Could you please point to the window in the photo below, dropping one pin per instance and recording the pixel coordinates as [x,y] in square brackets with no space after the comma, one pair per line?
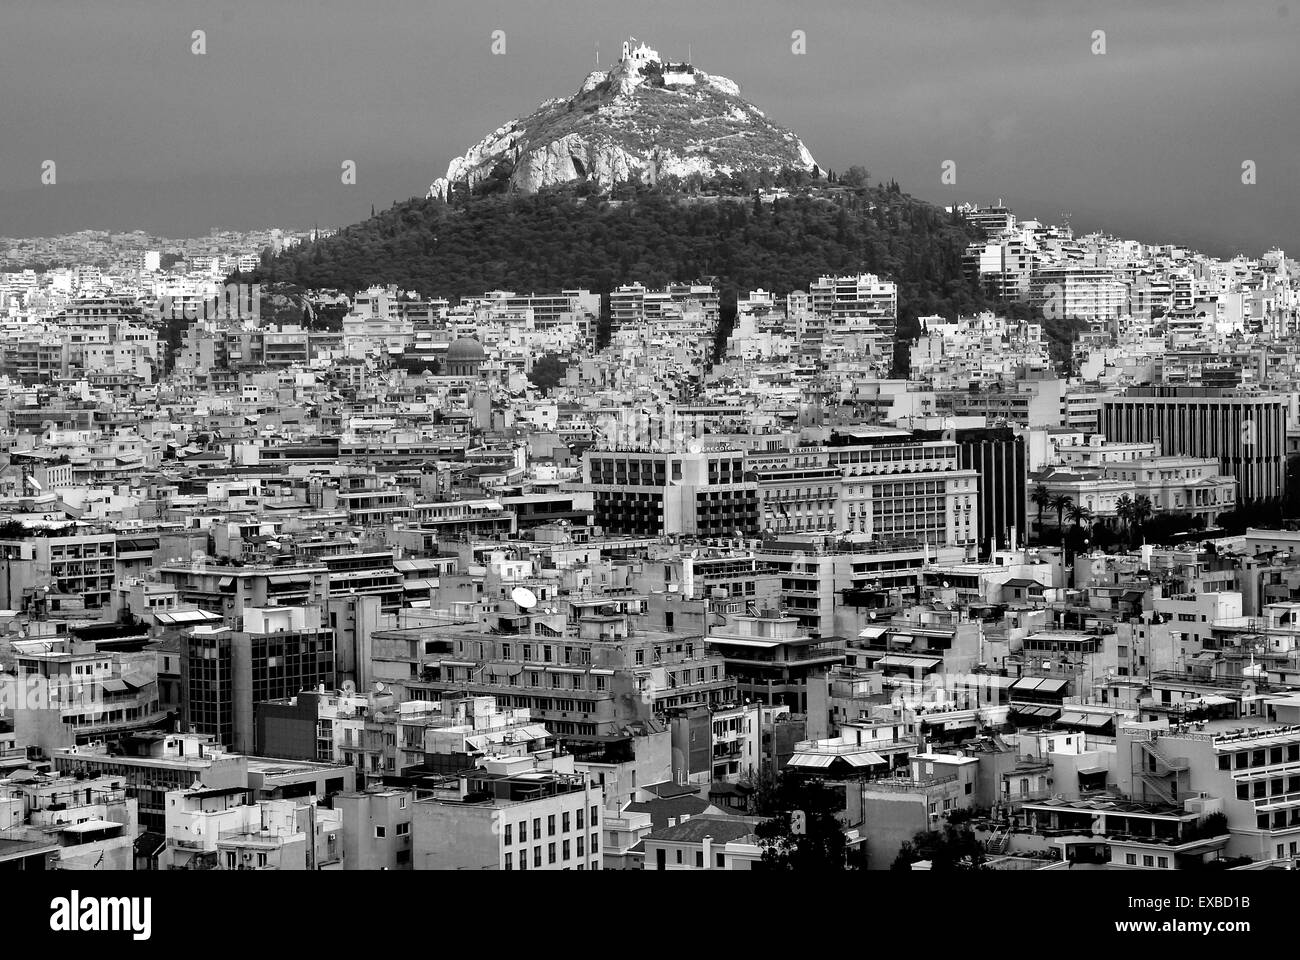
[679,856]
[261,859]
[404,829]
[595,843]
[699,859]
[582,841]
[1163,863]
[550,825]
[550,853]
[523,831]
[564,821]
[594,810]
[564,852]
[381,832]
[537,828]
[507,836]
[509,861]
[580,815]
[1131,859]
[537,855]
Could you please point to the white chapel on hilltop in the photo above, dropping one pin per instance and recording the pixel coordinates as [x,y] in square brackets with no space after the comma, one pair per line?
[641,54]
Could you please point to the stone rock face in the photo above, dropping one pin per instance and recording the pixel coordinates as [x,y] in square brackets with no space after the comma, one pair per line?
[644,118]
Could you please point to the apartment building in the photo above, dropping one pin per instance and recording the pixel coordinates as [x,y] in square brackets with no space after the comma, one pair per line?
[509,816]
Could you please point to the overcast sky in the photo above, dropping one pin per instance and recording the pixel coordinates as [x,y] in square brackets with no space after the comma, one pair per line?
[1146,141]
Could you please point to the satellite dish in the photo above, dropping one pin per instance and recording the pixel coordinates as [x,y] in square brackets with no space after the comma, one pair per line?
[380,688]
[524,598]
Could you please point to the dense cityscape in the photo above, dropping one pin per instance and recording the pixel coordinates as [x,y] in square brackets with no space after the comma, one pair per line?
[644,495]
[443,575]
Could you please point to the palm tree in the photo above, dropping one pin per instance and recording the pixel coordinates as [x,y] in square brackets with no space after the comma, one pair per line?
[1142,511]
[1060,503]
[1124,510]
[1079,516]
[1040,497]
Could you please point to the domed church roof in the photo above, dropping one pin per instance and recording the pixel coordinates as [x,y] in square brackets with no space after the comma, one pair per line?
[465,349]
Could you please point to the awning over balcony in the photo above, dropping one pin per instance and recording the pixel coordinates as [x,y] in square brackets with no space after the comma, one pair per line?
[1210,700]
[1037,713]
[900,661]
[864,759]
[287,580]
[1088,721]
[815,761]
[1043,686]
[89,826]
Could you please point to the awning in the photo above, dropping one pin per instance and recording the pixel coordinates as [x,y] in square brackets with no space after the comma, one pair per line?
[115,686]
[864,759]
[872,633]
[288,581]
[1211,700]
[811,760]
[1046,685]
[1037,713]
[1132,596]
[226,583]
[903,662]
[1091,721]
[1092,771]
[90,826]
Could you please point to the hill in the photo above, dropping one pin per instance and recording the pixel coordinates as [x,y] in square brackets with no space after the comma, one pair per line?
[678,231]
[645,118]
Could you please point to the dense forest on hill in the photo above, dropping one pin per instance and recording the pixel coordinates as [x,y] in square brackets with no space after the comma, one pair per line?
[568,238]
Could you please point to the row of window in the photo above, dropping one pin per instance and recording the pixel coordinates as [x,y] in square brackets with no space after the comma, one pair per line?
[1240,760]
[550,826]
[565,853]
[1147,860]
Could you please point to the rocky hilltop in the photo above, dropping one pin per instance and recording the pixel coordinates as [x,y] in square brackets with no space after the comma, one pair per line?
[643,119]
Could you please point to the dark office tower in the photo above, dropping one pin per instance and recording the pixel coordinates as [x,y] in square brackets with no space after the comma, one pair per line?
[999,456]
[280,652]
[1246,432]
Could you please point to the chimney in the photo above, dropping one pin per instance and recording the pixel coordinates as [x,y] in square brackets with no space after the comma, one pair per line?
[708,853]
